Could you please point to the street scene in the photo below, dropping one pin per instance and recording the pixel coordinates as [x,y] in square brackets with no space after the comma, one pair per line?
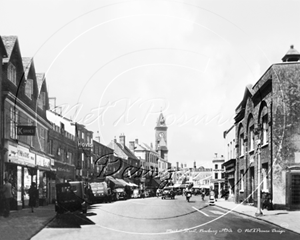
[163,119]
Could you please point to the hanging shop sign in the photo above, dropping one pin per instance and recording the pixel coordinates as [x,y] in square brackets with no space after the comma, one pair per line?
[24,130]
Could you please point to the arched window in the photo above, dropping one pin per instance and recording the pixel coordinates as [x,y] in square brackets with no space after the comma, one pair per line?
[264,120]
[250,133]
[241,140]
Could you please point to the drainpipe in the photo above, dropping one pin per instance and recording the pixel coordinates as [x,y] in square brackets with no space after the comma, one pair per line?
[271,151]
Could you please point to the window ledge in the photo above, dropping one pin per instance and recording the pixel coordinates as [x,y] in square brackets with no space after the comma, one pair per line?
[265,145]
[241,156]
[251,151]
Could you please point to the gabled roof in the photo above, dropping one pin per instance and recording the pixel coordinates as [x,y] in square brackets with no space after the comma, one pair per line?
[9,43]
[248,91]
[40,77]
[121,150]
[147,147]
[140,147]
[2,49]
[26,65]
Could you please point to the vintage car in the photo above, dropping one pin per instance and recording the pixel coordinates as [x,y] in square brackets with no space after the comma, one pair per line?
[70,197]
[136,193]
[119,193]
[168,192]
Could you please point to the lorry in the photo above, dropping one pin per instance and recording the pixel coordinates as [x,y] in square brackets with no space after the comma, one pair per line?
[101,192]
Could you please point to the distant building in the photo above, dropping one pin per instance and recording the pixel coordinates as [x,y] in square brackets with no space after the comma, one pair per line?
[218,173]
[230,160]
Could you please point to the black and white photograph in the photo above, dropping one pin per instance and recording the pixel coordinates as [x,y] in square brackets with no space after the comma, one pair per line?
[149,119]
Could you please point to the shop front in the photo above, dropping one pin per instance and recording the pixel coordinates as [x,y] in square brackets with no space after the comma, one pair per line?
[64,172]
[20,170]
[44,174]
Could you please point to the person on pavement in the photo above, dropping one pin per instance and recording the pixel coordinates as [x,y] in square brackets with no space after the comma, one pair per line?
[7,197]
[33,195]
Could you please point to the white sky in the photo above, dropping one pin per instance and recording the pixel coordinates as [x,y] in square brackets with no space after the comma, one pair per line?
[119,63]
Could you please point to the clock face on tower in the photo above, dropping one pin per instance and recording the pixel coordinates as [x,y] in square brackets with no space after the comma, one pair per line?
[161,134]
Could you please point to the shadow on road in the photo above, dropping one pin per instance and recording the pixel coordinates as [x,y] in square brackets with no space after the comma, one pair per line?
[70,220]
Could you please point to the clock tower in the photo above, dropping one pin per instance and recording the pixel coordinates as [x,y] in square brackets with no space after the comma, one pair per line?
[161,137]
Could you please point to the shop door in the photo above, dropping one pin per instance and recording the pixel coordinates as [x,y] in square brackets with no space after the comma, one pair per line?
[295,190]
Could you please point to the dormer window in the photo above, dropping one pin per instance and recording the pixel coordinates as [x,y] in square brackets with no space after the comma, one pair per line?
[29,88]
[11,73]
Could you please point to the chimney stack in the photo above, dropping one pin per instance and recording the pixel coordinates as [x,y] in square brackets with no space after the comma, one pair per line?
[122,139]
[131,146]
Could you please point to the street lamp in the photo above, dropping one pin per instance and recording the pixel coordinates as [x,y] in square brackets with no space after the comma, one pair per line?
[258,148]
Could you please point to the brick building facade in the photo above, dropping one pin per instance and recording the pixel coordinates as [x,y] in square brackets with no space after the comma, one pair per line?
[267,123]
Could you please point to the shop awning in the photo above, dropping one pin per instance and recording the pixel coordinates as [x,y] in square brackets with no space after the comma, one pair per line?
[132,184]
[122,181]
[115,182]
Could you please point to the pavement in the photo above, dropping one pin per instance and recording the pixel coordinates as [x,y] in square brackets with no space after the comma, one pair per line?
[288,220]
[23,224]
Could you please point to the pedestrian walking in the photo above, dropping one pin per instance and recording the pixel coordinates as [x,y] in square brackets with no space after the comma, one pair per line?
[202,194]
[33,195]
[7,197]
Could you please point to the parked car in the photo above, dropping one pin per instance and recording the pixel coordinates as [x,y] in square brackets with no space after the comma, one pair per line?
[119,193]
[168,192]
[70,197]
[136,193]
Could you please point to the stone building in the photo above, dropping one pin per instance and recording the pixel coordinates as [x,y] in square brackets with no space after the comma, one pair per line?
[267,125]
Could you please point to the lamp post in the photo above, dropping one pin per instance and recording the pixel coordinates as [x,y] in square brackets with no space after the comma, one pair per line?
[258,146]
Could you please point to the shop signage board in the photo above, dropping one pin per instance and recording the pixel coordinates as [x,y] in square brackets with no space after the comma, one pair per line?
[21,155]
[24,130]
[85,145]
[42,161]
